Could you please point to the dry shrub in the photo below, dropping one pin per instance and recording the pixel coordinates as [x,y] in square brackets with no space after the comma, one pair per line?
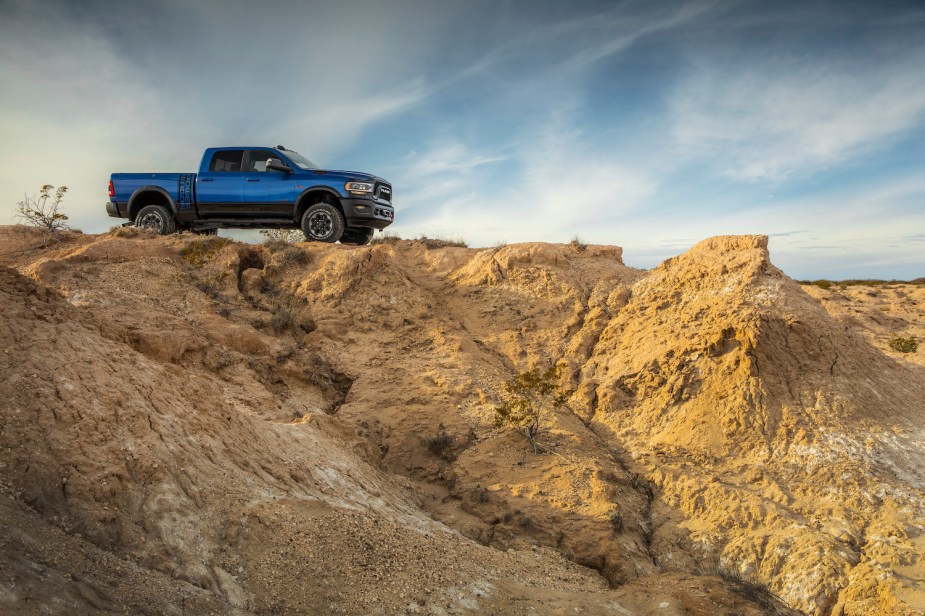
[904,345]
[440,444]
[431,242]
[198,252]
[386,238]
[291,255]
[527,400]
[44,211]
[132,232]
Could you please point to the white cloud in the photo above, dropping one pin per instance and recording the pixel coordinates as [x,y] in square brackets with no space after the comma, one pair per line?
[554,185]
[448,158]
[780,117]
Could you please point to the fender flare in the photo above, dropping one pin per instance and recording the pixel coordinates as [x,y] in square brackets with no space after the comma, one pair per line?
[147,189]
[296,217]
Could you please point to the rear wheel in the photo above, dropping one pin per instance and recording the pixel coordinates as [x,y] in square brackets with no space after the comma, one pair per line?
[358,237]
[322,222]
[156,218]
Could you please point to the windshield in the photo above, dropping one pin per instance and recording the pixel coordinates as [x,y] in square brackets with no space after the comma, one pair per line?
[300,160]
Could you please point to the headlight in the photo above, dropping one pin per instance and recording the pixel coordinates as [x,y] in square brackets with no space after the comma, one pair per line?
[359,188]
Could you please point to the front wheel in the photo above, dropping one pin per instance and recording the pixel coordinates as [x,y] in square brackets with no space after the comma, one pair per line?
[156,218]
[323,222]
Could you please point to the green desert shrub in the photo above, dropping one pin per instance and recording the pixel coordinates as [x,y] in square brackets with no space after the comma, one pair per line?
[528,399]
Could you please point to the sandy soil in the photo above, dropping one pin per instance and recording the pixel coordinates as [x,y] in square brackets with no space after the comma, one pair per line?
[880,312]
[195,426]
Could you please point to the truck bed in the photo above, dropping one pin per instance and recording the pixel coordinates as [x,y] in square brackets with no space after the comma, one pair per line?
[179,186]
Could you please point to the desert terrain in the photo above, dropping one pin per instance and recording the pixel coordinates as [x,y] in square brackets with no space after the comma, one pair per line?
[192,425]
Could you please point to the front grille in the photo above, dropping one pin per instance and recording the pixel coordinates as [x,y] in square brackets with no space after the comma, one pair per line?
[383,192]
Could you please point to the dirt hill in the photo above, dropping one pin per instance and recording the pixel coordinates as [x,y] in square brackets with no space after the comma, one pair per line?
[194,426]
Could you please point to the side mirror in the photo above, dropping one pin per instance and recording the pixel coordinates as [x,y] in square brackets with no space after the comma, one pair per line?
[274,164]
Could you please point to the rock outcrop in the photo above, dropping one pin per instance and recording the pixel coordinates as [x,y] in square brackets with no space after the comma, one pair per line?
[191,425]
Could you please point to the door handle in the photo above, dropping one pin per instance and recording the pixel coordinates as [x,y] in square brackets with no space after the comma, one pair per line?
[253,179]
[205,179]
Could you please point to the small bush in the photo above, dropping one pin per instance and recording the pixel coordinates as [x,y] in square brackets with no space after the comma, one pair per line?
[528,398]
[904,345]
[210,287]
[440,444]
[275,245]
[198,253]
[44,211]
[282,320]
[132,231]
[292,255]
[267,286]
[431,243]
[578,244]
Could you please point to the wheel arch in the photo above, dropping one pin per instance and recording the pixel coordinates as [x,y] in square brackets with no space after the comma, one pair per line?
[313,195]
[150,195]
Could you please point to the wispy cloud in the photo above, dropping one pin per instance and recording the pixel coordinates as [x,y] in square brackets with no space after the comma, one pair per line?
[448,158]
[785,116]
[624,27]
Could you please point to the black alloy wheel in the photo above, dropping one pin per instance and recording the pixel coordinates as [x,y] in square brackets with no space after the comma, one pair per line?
[156,218]
[322,222]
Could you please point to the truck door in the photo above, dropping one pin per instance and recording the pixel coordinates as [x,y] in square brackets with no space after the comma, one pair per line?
[220,190]
[269,192]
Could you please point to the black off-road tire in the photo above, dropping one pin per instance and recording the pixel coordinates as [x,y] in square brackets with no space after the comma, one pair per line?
[156,218]
[323,222]
[357,237]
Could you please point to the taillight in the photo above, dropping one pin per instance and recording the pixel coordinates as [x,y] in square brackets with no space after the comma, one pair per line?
[112,189]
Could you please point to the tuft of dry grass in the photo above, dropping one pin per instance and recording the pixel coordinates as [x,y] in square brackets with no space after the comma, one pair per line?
[386,238]
[429,243]
[132,232]
[904,345]
[578,244]
[198,252]
[432,242]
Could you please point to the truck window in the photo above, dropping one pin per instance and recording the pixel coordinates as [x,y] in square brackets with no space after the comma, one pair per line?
[257,160]
[227,160]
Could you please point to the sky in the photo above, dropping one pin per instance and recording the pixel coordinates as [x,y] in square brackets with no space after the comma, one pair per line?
[648,125]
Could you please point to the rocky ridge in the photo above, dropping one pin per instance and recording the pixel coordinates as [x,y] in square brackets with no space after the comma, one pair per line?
[192,425]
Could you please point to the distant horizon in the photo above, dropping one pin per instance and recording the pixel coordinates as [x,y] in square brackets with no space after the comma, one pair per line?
[658,124]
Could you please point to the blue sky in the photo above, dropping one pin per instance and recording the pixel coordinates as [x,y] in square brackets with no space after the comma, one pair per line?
[649,125]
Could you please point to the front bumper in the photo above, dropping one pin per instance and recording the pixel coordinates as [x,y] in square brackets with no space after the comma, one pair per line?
[113,209]
[373,213]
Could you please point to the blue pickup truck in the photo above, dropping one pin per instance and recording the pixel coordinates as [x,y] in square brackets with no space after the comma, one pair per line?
[256,187]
